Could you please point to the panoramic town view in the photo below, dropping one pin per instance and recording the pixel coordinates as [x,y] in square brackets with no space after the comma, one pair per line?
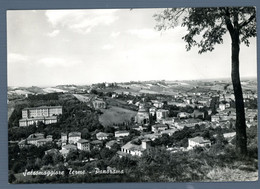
[93,99]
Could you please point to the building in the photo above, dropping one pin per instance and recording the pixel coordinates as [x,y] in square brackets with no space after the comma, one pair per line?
[99,104]
[157,104]
[24,122]
[83,145]
[152,111]
[159,127]
[142,116]
[96,144]
[52,151]
[183,115]
[74,137]
[102,136]
[168,121]
[110,144]
[198,141]
[169,132]
[121,133]
[45,114]
[38,139]
[64,137]
[161,114]
[133,149]
[42,111]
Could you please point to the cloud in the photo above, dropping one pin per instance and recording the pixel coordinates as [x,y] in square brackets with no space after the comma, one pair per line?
[16,57]
[81,21]
[53,33]
[58,62]
[115,34]
[108,47]
[144,33]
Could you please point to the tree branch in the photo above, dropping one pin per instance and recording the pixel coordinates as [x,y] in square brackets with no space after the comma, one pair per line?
[228,22]
[252,17]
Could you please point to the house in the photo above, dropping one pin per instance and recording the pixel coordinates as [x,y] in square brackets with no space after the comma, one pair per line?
[102,136]
[74,137]
[34,138]
[99,104]
[183,115]
[23,144]
[152,136]
[110,144]
[157,104]
[134,149]
[159,127]
[83,145]
[169,131]
[96,144]
[229,136]
[121,133]
[168,121]
[198,141]
[64,137]
[51,151]
[161,114]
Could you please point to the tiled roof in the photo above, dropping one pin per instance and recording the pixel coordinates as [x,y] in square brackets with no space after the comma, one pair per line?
[199,140]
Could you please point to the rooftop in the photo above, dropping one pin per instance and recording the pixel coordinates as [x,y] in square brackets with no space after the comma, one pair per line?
[199,140]
[42,107]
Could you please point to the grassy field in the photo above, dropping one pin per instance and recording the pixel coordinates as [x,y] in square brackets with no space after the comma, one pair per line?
[116,115]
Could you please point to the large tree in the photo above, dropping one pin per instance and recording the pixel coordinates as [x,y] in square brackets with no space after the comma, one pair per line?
[206,28]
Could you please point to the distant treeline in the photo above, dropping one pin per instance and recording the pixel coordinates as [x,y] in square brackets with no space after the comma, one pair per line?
[49,96]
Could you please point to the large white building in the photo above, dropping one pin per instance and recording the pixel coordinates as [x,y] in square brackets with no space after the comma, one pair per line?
[198,141]
[42,111]
[135,150]
[83,145]
[74,137]
[45,114]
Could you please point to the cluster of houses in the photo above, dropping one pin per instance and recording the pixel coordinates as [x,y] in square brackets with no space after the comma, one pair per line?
[153,109]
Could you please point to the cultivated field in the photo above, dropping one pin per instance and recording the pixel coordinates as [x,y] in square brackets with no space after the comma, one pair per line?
[115,115]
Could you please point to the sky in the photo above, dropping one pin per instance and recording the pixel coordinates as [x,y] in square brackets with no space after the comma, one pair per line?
[56,47]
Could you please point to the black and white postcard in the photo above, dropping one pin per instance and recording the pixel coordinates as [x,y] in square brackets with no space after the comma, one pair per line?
[132,95]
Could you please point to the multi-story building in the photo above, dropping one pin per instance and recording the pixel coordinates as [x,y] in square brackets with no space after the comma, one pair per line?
[74,137]
[161,114]
[83,145]
[42,111]
[45,114]
[99,104]
[159,127]
[31,121]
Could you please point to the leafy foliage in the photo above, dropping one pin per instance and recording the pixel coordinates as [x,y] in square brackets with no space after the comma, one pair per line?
[206,26]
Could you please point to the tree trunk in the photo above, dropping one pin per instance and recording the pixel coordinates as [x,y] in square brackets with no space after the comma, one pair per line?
[241,138]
